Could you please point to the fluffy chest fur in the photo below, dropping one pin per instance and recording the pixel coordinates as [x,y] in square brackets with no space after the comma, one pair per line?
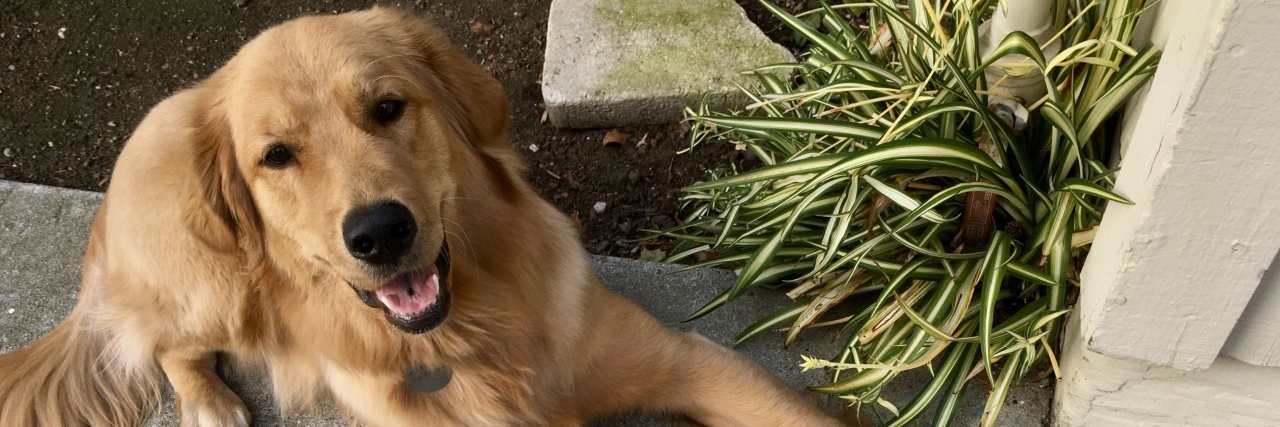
[503,364]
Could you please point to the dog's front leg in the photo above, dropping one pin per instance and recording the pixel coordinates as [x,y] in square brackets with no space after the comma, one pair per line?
[203,399]
[636,363]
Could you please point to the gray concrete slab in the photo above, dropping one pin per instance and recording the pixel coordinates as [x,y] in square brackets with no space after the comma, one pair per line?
[44,230]
[43,234]
[625,62]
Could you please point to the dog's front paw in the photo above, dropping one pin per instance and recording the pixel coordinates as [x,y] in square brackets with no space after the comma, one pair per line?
[214,410]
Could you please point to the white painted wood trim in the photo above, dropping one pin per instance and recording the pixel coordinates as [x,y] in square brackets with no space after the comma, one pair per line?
[1168,277]
[1101,391]
[1256,338]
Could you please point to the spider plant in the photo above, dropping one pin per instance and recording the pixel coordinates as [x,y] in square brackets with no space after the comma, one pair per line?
[874,148]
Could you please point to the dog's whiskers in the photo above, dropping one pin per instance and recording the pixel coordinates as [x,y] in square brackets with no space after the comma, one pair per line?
[474,259]
[466,241]
[464,238]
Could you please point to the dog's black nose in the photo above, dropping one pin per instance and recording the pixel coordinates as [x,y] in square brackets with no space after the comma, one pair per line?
[379,233]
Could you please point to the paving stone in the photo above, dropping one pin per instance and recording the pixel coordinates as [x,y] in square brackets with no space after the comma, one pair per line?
[624,62]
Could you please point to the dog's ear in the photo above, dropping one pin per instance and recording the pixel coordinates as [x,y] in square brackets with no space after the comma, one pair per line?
[473,101]
[223,185]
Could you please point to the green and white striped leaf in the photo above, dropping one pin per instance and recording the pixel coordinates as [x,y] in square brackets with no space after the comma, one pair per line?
[923,150]
[1016,43]
[956,383]
[902,199]
[1083,187]
[993,269]
[821,40]
[1000,389]
[1029,273]
[773,321]
[804,125]
[942,377]
[782,170]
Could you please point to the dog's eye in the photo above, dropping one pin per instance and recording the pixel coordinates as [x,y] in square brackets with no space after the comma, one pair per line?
[388,111]
[278,156]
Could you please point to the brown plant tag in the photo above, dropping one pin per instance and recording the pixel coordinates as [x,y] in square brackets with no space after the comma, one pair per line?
[979,207]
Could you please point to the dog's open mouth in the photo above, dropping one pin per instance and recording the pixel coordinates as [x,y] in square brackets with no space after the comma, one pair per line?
[415,301]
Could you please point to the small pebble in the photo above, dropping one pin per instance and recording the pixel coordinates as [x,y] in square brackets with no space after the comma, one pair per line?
[8,152]
[50,144]
[533,147]
[62,33]
[599,207]
[11,67]
[11,311]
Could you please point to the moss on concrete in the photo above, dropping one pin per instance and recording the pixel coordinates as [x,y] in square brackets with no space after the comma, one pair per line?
[692,44]
[651,15]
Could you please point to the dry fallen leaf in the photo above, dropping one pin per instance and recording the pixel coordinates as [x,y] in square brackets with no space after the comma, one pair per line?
[482,27]
[882,40]
[654,255]
[614,136]
[577,222]
[684,128]
[739,146]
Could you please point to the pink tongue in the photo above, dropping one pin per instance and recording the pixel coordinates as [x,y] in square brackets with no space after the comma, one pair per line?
[410,293]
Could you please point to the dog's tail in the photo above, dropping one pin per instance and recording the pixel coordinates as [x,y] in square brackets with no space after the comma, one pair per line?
[74,377]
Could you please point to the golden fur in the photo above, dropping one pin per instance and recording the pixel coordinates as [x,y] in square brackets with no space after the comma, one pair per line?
[199,248]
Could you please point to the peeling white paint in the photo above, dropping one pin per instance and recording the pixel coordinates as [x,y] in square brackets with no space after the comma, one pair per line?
[1097,390]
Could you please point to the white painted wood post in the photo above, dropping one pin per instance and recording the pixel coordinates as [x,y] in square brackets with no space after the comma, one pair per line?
[1168,277]
[1256,338]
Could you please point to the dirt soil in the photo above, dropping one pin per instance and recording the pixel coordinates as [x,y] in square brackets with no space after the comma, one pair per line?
[77,76]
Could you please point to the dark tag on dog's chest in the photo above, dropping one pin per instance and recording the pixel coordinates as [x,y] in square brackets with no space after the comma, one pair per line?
[427,379]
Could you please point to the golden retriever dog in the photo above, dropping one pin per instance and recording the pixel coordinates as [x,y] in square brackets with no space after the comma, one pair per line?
[339,203]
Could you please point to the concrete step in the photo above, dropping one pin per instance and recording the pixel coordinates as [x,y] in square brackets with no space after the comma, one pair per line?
[44,230]
[626,62]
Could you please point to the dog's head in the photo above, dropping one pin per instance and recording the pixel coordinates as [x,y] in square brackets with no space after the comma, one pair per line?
[340,141]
